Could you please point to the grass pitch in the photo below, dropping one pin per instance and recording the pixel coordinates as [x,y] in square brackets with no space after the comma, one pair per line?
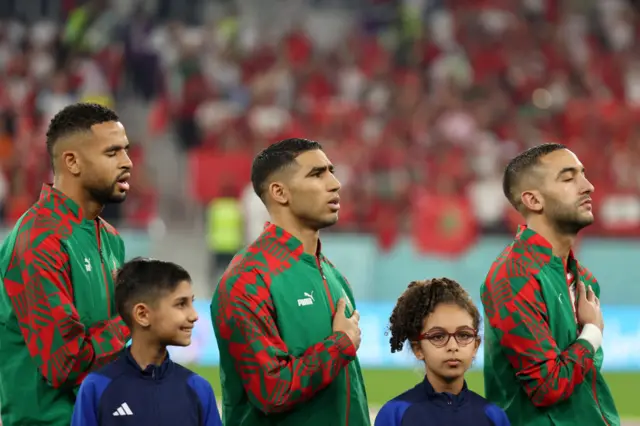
[382,385]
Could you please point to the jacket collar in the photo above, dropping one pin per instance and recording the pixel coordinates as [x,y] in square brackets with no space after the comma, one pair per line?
[287,241]
[153,372]
[538,247]
[445,396]
[63,205]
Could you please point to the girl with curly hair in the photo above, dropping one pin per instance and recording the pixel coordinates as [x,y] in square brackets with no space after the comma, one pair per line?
[440,323]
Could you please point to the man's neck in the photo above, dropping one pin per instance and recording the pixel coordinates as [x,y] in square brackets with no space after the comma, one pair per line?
[147,352]
[90,208]
[561,244]
[307,236]
[439,385]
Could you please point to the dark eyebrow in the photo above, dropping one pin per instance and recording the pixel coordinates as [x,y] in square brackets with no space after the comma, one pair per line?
[182,299]
[320,169]
[116,147]
[573,170]
[459,328]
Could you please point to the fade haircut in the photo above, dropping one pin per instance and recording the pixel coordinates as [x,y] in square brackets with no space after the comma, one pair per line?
[75,118]
[522,164]
[275,158]
[144,280]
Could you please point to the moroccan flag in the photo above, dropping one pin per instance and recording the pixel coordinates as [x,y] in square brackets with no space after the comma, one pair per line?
[443,224]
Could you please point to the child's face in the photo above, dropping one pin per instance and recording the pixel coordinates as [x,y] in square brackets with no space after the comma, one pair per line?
[447,360]
[173,316]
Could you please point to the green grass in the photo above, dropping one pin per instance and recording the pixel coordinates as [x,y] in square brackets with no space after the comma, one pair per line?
[383,385]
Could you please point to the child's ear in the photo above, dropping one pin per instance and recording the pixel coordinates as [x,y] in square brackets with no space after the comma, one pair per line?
[476,345]
[141,314]
[417,350]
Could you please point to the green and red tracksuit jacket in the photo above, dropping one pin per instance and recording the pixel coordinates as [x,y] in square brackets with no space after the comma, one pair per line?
[539,367]
[280,362]
[57,315]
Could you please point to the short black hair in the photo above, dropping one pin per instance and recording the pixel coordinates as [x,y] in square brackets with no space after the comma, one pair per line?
[144,280]
[276,157]
[520,165]
[418,301]
[78,117]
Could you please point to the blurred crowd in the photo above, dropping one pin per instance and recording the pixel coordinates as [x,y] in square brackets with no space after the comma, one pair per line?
[409,98]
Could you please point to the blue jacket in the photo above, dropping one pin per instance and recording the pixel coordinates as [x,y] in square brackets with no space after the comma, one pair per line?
[122,394]
[422,406]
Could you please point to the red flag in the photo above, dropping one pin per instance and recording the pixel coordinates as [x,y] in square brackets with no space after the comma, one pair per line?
[443,224]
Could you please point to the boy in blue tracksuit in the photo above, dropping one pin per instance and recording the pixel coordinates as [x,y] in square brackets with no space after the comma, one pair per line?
[440,322]
[143,386]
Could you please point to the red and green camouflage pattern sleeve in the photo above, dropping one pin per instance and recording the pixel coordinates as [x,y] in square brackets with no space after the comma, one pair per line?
[516,311]
[38,283]
[273,378]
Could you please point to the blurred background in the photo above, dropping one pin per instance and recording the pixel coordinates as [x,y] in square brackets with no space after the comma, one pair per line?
[419,104]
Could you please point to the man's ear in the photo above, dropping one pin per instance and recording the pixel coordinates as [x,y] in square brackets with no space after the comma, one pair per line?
[532,200]
[279,193]
[72,162]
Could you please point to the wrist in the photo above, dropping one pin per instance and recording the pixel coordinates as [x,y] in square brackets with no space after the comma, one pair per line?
[592,334]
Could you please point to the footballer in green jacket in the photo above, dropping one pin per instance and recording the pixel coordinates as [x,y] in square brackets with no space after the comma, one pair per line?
[283,315]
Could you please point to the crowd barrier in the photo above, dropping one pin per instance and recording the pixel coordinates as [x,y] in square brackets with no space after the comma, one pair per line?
[621,339]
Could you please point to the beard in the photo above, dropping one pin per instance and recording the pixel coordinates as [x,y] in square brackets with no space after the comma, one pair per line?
[567,218]
[107,194]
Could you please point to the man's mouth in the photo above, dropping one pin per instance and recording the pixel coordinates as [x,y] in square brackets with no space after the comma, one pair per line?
[334,203]
[586,203]
[123,182]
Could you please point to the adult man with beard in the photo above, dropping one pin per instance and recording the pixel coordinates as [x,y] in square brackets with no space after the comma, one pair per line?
[544,326]
[283,315]
[58,320]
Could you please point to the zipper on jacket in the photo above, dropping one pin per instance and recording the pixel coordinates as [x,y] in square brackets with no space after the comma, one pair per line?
[104,272]
[326,285]
[333,309]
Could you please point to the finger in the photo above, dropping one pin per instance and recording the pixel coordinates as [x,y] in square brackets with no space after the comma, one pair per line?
[582,294]
[356,315]
[591,296]
[340,308]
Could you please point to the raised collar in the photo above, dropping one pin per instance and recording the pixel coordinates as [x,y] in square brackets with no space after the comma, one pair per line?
[60,203]
[538,246]
[153,372]
[445,396]
[291,243]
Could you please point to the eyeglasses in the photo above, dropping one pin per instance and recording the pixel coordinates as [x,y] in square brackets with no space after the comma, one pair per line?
[440,338]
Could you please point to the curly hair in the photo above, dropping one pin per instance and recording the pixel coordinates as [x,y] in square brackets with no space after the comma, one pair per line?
[420,300]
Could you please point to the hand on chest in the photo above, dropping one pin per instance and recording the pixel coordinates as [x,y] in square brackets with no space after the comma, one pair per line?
[559,290]
[305,302]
